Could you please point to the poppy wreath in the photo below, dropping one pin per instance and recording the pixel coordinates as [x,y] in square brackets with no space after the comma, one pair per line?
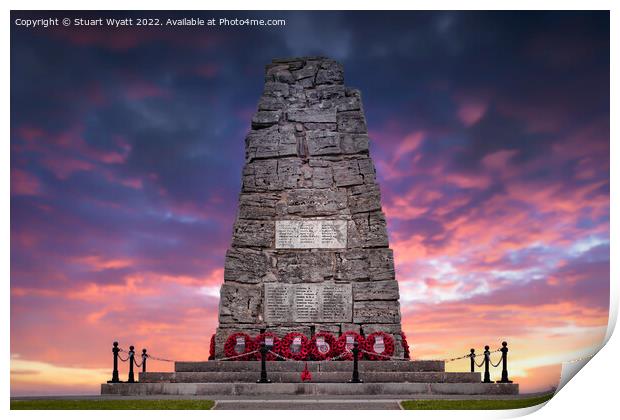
[388,341]
[313,350]
[284,347]
[231,341]
[341,345]
[212,348]
[405,346]
[260,338]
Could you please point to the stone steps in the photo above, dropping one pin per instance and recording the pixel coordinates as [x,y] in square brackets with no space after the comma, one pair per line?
[251,389]
[325,366]
[317,377]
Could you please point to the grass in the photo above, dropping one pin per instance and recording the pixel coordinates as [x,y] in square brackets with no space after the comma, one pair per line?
[474,404]
[112,404]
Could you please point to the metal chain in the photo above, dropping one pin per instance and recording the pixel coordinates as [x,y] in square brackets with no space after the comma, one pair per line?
[456,358]
[283,357]
[121,357]
[341,355]
[384,355]
[159,358]
[498,362]
[239,355]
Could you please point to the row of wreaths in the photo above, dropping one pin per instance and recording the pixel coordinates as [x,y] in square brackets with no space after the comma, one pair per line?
[335,349]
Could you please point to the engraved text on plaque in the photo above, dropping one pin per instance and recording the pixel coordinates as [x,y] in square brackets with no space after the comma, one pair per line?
[307,302]
[311,234]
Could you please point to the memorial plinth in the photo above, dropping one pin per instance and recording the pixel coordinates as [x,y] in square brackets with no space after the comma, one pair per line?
[310,249]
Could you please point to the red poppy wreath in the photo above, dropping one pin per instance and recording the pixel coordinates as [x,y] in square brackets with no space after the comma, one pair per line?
[322,346]
[238,344]
[344,345]
[379,346]
[266,337]
[212,348]
[294,346]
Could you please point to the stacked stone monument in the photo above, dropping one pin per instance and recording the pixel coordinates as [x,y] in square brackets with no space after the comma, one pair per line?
[309,253]
[309,250]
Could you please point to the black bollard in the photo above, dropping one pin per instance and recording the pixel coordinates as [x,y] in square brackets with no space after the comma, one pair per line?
[263,365]
[472,360]
[504,351]
[115,351]
[131,379]
[144,356]
[356,374]
[487,360]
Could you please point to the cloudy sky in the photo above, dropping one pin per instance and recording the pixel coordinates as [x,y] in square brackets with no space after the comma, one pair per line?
[490,134]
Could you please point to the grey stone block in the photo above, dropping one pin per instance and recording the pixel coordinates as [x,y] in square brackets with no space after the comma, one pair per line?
[376,290]
[387,311]
[271,103]
[257,206]
[276,89]
[330,72]
[364,198]
[240,303]
[270,143]
[323,143]
[245,265]
[312,116]
[290,172]
[253,233]
[353,143]
[265,118]
[261,175]
[381,264]
[297,267]
[347,173]
[368,230]
[352,122]
[316,202]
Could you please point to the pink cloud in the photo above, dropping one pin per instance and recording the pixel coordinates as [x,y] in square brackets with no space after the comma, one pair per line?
[64,166]
[498,160]
[24,183]
[470,112]
[141,89]
[208,70]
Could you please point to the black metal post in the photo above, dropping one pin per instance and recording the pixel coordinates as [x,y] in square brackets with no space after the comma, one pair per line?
[131,379]
[144,357]
[356,374]
[472,360]
[487,360]
[115,351]
[263,365]
[504,351]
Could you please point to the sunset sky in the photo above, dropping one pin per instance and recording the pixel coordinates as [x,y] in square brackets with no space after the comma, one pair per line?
[490,135]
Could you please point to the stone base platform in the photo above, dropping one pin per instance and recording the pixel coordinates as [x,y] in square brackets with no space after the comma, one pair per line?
[427,377]
[318,389]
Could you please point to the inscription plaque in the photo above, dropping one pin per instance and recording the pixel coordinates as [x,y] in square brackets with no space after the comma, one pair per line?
[307,302]
[311,234]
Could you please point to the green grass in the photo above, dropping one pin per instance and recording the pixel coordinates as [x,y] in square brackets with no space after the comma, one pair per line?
[474,404]
[112,405]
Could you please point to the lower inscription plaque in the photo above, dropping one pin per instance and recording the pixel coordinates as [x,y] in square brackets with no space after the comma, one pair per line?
[307,302]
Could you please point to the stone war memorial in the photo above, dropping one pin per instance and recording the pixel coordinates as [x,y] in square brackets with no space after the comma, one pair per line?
[309,297]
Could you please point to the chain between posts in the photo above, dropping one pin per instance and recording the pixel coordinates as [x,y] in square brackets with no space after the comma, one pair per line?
[116,350]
